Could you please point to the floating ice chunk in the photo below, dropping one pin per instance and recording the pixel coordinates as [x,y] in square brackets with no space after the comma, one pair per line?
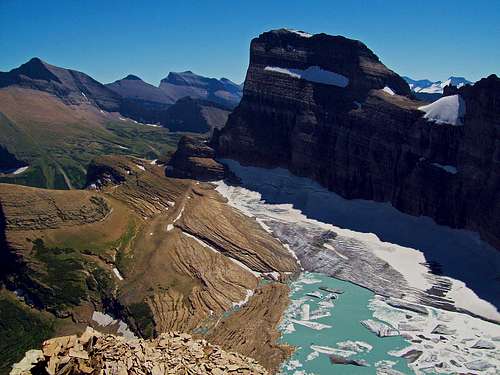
[313,355]
[319,314]
[446,110]
[305,311]
[388,90]
[315,294]
[313,325]
[379,328]
[329,350]
[312,74]
[356,346]
[293,364]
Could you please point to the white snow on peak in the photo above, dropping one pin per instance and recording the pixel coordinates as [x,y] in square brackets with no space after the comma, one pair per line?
[388,90]
[446,110]
[312,74]
[303,34]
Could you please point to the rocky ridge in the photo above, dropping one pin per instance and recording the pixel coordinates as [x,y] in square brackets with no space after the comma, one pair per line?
[170,353]
[194,158]
[166,255]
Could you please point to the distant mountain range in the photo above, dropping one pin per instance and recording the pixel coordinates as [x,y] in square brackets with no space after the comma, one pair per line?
[177,86]
[55,120]
[432,90]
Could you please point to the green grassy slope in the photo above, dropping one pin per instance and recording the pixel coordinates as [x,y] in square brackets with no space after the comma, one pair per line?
[59,159]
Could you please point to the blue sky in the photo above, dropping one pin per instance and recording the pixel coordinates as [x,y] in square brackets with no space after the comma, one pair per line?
[109,39]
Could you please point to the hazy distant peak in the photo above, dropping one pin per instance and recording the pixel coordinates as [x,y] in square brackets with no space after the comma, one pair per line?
[132,77]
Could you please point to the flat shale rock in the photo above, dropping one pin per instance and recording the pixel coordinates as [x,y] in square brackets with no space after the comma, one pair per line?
[170,353]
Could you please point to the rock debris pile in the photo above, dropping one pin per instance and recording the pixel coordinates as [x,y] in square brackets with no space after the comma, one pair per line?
[96,353]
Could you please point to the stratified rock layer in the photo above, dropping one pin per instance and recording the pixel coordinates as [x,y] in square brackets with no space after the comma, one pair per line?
[368,139]
[195,159]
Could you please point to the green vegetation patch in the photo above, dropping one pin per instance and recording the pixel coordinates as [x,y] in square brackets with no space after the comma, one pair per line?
[66,278]
[21,329]
[143,318]
[62,281]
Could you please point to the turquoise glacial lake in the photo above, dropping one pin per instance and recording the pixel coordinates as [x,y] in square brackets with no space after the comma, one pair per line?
[350,308]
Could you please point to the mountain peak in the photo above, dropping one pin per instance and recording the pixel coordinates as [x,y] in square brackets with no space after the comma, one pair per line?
[35,69]
[132,77]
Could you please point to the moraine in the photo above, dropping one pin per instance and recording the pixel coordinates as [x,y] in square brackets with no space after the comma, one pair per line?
[416,287]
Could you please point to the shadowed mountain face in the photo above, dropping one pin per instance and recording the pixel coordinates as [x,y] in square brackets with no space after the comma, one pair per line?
[195,115]
[223,91]
[325,107]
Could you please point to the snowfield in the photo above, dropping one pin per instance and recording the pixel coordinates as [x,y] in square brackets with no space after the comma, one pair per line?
[303,34]
[447,110]
[388,90]
[312,74]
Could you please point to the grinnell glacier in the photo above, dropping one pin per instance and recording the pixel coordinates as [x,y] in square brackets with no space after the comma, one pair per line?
[442,309]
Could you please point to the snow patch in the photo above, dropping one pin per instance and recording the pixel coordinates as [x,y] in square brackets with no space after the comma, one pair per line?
[249,293]
[118,274]
[180,214]
[140,167]
[447,110]
[106,320]
[303,34]
[20,170]
[448,168]
[388,90]
[312,74]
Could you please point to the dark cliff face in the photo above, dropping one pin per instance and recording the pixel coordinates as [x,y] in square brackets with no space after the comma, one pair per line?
[367,138]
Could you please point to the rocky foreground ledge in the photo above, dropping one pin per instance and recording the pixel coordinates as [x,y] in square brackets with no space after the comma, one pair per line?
[96,353]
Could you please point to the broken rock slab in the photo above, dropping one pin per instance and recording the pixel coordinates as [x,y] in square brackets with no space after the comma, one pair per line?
[170,353]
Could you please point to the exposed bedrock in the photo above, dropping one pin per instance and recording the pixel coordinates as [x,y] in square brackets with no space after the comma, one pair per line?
[325,107]
[195,159]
